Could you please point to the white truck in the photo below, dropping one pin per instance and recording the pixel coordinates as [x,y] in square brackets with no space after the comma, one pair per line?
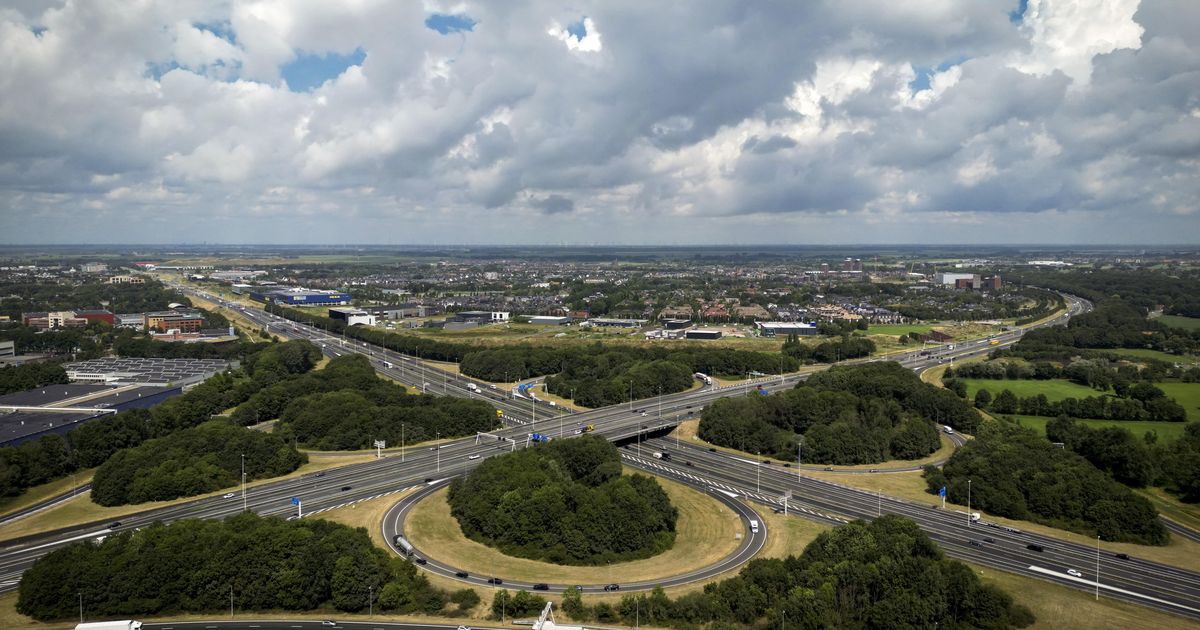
[128,624]
[473,387]
[753,526]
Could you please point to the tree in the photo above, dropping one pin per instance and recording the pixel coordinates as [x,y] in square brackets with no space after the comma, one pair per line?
[983,398]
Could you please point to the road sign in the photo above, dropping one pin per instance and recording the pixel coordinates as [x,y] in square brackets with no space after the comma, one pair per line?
[295,500]
[380,444]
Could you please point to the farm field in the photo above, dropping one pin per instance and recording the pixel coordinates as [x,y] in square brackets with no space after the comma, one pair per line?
[898,329]
[1143,353]
[1167,431]
[1054,389]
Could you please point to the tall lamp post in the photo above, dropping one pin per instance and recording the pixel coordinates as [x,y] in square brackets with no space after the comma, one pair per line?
[243,482]
[437,436]
[968,503]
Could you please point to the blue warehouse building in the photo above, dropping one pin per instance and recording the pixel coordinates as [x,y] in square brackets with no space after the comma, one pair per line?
[302,297]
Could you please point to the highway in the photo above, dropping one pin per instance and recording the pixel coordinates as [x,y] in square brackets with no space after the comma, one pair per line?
[1159,586]
[294,624]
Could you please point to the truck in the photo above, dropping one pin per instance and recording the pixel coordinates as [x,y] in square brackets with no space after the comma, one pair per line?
[403,545]
[128,624]
[948,430]
[538,437]
[662,455]
[473,387]
[754,526]
[974,517]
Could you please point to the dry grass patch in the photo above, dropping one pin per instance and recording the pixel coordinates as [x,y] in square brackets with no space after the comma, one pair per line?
[705,533]
[81,510]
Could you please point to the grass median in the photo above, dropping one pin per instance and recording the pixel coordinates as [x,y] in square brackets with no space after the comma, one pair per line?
[706,532]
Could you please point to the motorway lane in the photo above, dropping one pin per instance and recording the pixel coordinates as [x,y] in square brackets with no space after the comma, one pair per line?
[45,504]
[393,524]
[1180,589]
[284,624]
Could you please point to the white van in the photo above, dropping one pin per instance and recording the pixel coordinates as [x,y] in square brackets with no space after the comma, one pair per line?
[753,526]
[948,430]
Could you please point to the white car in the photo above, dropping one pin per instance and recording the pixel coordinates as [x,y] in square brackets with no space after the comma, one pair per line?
[472,457]
[1074,573]
[464,628]
[228,495]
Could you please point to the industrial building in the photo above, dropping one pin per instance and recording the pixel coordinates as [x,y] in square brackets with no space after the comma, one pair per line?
[676,324]
[401,311]
[352,316]
[8,348]
[783,329]
[548,320]
[56,409]
[145,371]
[702,333]
[480,317]
[302,297]
[185,321]
[127,280]
[611,322]
[951,279]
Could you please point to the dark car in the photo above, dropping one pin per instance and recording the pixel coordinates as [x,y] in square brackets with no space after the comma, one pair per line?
[420,560]
[712,450]
[828,468]
[767,462]
[1123,556]
[495,580]
[786,465]
[114,524]
[429,480]
[321,474]
[612,587]
[345,488]
[1035,547]
[975,543]
[687,463]
[462,574]
[989,540]
[541,586]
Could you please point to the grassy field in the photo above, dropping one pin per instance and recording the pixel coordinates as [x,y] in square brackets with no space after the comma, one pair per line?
[1054,389]
[898,329]
[1168,505]
[1186,394]
[1167,431]
[82,510]
[45,491]
[1143,353]
[1179,321]
[706,532]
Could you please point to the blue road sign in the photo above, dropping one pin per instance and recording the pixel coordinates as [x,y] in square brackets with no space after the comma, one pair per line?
[942,492]
[295,500]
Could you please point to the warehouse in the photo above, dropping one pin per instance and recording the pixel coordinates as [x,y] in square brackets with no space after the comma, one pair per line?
[703,333]
[302,297]
[352,316]
[145,371]
[783,329]
[547,320]
[56,409]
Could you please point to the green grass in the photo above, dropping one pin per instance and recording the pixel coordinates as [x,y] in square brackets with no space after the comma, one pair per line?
[1179,321]
[1054,389]
[1143,353]
[1186,394]
[1167,431]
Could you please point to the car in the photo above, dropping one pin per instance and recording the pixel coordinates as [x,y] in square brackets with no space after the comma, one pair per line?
[421,561]
[321,474]
[429,480]
[472,457]
[114,524]
[767,462]
[786,465]
[1074,573]
[612,587]
[828,468]
[988,540]
[228,495]
[464,628]
[712,450]
[541,586]
[328,623]
[495,580]
[643,413]
[1033,547]
[1122,556]
[975,543]
[687,463]
[462,574]
[345,488]
[645,426]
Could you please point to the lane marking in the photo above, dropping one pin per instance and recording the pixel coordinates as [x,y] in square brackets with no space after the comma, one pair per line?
[1115,589]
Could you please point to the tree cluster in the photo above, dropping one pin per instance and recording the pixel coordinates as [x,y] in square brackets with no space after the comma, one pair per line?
[1016,473]
[883,574]
[189,566]
[151,295]
[1141,402]
[192,461]
[1136,462]
[861,414]
[588,513]
[1113,324]
[18,378]
[845,347]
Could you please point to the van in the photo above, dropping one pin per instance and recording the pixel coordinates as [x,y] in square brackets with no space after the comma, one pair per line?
[948,430]
[1038,548]
[753,526]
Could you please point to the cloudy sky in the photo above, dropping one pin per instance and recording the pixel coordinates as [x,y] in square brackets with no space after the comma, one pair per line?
[389,121]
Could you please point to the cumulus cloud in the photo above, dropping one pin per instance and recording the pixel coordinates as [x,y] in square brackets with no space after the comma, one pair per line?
[618,122]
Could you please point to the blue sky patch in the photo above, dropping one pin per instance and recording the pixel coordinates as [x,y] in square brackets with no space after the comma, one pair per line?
[309,71]
[224,30]
[37,30]
[1018,14]
[924,73]
[578,29]
[446,24]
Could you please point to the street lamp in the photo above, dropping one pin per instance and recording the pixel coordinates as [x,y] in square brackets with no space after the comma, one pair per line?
[968,503]
[243,482]
[437,436]
[1097,567]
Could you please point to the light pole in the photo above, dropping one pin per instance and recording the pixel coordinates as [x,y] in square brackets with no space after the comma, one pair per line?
[799,456]
[401,442]
[243,482]
[231,601]
[968,503]
[80,606]
[1097,567]
[758,473]
[437,436]
[371,600]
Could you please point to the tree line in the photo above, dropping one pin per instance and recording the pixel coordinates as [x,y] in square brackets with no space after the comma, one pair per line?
[882,574]
[1115,323]
[1137,462]
[588,512]
[840,349]
[189,566]
[1016,473]
[92,443]
[1142,402]
[18,378]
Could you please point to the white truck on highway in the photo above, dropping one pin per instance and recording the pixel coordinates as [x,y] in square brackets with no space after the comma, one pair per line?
[754,526]
[473,387]
[110,625]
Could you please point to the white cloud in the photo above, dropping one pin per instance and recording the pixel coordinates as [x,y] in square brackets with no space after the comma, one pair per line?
[1067,34]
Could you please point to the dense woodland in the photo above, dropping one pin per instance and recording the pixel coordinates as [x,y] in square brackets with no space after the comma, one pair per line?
[847,415]
[588,512]
[882,574]
[192,461]
[1145,290]
[1016,473]
[1137,462]
[598,375]
[88,294]
[189,566]
[92,443]
[1113,324]
[18,378]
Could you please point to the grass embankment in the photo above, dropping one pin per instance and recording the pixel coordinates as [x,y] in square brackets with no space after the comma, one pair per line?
[1186,394]
[1054,389]
[1179,321]
[706,532]
[1133,354]
[1186,514]
[40,493]
[82,510]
